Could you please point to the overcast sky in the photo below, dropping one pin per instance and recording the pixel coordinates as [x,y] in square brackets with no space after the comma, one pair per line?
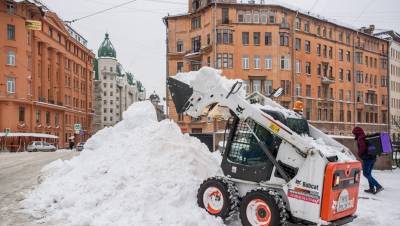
[138,34]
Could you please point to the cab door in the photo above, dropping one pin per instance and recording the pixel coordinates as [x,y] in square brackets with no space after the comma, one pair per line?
[243,158]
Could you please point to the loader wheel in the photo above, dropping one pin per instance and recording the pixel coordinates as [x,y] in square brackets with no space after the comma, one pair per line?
[262,207]
[218,196]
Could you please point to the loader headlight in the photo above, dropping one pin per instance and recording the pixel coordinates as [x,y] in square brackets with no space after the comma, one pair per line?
[357,177]
[336,180]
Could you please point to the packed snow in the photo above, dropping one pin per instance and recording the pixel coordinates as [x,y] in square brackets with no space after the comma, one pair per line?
[206,79]
[138,172]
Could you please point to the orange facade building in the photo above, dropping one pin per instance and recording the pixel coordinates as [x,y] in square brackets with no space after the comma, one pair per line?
[339,73]
[45,73]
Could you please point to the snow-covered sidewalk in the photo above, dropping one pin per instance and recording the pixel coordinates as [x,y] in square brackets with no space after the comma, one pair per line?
[383,208]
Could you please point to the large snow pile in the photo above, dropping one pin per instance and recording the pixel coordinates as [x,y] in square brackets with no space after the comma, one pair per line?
[139,172]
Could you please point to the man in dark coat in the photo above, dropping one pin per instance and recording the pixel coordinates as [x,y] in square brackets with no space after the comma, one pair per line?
[368,161]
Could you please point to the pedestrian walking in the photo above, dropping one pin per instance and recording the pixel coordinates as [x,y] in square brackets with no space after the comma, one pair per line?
[368,161]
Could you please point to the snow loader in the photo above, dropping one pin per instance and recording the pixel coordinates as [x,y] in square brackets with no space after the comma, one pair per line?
[278,169]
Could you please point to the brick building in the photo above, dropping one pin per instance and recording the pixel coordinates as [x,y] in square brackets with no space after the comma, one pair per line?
[340,73]
[46,73]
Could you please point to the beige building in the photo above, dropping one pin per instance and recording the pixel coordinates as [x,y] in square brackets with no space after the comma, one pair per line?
[394,80]
[114,89]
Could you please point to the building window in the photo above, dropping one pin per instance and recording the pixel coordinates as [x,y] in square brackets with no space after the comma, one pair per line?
[348,56]
[179,46]
[348,75]
[47,118]
[246,86]
[10,32]
[37,116]
[319,49]
[268,62]
[319,69]
[268,38]
[256,38]
[348,38]
[225,60]
[225,15]
[21,114]
[298,90]
[340,74]
[230,61]
[256,85]
[298,23]
[245,62]
[359,58]
[224,36]
[330,52]
[298,44]
[283,39]
[256,62]
[10,7]
[105,110]
[219,60]
[341,115]
[340,36]
[268,87]
[308,90]
[308,68]
[285,84]
[285,63]
[298,66]
[340,94]
[348,116]
[11,58]
[196,44]
[245,38]
[10,85]
[307,26]
[196,22]
[307,46]
[179,66]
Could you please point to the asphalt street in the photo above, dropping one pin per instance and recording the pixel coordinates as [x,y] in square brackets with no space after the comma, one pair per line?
[18,174]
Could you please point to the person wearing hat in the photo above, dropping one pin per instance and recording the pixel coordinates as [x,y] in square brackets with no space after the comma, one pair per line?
[368,161]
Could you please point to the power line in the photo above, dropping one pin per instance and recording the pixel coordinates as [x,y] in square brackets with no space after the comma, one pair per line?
[101,11]
[313,6]
[362,12]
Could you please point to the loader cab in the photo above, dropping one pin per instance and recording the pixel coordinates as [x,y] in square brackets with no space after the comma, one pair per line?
[243,158]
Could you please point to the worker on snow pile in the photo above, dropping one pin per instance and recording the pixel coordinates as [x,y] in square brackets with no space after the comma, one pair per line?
[368,161]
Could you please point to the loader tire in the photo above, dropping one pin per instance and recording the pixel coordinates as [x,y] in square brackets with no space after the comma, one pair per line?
[218,196]
[262,207]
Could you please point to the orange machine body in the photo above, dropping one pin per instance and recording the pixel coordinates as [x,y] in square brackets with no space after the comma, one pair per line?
[340,192]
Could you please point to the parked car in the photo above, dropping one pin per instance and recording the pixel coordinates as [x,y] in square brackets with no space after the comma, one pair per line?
[40,146]
[79,147]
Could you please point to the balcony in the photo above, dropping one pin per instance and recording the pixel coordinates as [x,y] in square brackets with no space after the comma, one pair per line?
[42,99]
[327,80]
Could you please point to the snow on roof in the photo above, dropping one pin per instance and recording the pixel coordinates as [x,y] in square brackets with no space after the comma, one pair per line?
[38,135]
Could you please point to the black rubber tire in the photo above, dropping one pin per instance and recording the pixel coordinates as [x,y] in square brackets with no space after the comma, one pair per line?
[229,192]
[269,197]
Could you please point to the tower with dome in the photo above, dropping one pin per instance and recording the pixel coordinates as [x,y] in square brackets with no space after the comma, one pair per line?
[114,88]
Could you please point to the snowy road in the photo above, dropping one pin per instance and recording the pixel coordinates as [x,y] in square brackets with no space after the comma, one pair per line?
[18,173]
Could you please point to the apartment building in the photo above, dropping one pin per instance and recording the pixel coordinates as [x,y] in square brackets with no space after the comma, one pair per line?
[46,74]
[114,88]
[339,73]
[394,80]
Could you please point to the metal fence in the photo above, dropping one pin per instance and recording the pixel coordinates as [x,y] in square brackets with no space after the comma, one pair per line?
[396,154]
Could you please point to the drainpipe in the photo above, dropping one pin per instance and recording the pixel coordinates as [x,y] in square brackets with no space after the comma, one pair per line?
[165,20]
[354,82]
[293,51]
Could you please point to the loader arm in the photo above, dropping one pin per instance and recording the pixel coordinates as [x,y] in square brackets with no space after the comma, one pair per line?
[193,101]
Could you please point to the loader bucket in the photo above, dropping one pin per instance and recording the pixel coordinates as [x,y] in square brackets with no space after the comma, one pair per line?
[180,92]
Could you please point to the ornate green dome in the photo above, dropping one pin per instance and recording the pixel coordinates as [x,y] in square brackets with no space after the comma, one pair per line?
[106,48]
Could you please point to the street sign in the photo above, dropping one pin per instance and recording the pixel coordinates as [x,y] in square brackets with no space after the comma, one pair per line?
[77,128]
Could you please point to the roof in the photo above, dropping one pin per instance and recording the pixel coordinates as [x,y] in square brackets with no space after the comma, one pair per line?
[389,35]
[38,135]
[106,48]
[274,3]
